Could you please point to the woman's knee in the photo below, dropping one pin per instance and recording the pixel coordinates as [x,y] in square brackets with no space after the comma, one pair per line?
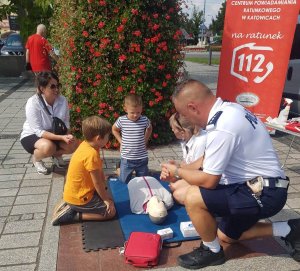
[47,147]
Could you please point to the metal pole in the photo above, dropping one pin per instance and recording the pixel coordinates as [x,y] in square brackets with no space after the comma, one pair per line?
[210,55]
[203,25]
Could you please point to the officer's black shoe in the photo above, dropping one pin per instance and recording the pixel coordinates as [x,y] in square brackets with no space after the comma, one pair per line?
[293,238]
[201,257]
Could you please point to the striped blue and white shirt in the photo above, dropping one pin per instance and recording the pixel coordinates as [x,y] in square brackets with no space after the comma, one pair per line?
[133,137]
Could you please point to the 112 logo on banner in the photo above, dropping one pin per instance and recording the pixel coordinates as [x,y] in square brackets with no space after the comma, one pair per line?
[250,61]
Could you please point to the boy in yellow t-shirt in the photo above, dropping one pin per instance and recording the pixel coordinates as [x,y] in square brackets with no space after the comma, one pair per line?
[85,196]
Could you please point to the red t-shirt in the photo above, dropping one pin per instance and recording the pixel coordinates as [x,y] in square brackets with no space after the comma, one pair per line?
[39,49]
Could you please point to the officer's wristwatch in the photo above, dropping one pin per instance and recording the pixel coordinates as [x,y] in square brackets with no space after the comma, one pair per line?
[176,174]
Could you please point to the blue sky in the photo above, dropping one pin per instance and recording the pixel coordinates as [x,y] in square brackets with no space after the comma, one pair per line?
[211,8]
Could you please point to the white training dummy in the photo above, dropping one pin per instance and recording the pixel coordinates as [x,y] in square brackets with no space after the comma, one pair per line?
[148,196]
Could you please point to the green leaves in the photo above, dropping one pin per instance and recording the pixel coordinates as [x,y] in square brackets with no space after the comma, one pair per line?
[111,48]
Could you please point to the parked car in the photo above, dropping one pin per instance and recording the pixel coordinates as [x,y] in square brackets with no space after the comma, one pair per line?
[1,43]
[292,83]
[292,86]
[13,46]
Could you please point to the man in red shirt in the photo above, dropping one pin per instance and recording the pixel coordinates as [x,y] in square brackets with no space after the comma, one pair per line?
[38,50]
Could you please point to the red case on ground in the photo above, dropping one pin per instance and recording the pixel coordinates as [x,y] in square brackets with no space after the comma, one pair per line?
[143,249]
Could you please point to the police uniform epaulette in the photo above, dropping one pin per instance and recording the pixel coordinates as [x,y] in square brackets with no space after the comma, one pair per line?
[212,123]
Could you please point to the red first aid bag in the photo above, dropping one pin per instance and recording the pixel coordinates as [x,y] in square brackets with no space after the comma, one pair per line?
[142,249]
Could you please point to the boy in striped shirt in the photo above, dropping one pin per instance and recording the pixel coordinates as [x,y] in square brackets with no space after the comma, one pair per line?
[133,131]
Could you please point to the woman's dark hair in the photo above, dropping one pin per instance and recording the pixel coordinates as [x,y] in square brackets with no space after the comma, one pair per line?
[43,78]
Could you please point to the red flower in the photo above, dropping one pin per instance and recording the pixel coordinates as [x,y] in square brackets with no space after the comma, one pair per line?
[155,136]
[151,103]
[102,3]
[168,17]
[100,112]
[137,33]
[120,28]
[117,46]
[119,88]
[123,78]
[124,20]
[168,76]
[116,115]
[78,90]
[155,27]
[101,24]
[122,58]
[155,15]
[116,10]
[102,105]
[142,67]
[161,67]
[164,84]
[134,11]
[90,1]
[78,110]
[83,21]
[116,144]
[97,53]
[85,34]
[98,76]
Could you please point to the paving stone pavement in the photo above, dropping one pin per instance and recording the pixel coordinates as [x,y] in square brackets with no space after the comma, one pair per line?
[27,239]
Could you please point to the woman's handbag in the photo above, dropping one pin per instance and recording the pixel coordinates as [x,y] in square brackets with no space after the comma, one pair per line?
[143,249]
[58,126]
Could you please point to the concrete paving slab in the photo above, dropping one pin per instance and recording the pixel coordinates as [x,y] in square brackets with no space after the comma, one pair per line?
[24,226]
[18,256]
[29,267]
[31,199]
[29,209]
[19,240]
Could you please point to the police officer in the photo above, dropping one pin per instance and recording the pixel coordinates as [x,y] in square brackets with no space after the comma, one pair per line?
[241,181]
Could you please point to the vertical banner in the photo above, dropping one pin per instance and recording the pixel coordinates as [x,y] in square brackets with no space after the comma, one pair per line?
[256,46]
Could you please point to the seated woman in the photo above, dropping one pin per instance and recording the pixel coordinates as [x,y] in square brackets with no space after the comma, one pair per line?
[36,136]
[193,143]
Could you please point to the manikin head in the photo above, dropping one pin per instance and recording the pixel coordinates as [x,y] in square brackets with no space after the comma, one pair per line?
[157,210]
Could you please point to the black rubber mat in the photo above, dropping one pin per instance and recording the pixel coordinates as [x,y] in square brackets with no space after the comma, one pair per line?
[98,235]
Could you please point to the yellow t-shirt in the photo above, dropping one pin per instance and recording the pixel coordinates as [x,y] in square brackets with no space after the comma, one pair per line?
[79,187]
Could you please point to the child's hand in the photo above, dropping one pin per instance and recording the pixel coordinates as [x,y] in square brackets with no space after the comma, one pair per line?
[110,207]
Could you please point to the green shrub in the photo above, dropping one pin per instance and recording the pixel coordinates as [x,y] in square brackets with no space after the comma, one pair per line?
[110,48]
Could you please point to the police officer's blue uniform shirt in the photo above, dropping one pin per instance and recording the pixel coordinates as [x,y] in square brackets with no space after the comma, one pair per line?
[238,145]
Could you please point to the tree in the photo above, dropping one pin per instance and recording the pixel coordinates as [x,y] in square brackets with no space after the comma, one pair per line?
[217,24]
[30,13]
[192,24]
[111,48]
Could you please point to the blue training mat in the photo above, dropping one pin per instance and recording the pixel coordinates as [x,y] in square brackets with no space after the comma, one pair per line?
[138,222]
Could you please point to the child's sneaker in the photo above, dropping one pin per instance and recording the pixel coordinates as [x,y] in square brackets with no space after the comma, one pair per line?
[65,215]
[40,168]
[59,206]
[59,162]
